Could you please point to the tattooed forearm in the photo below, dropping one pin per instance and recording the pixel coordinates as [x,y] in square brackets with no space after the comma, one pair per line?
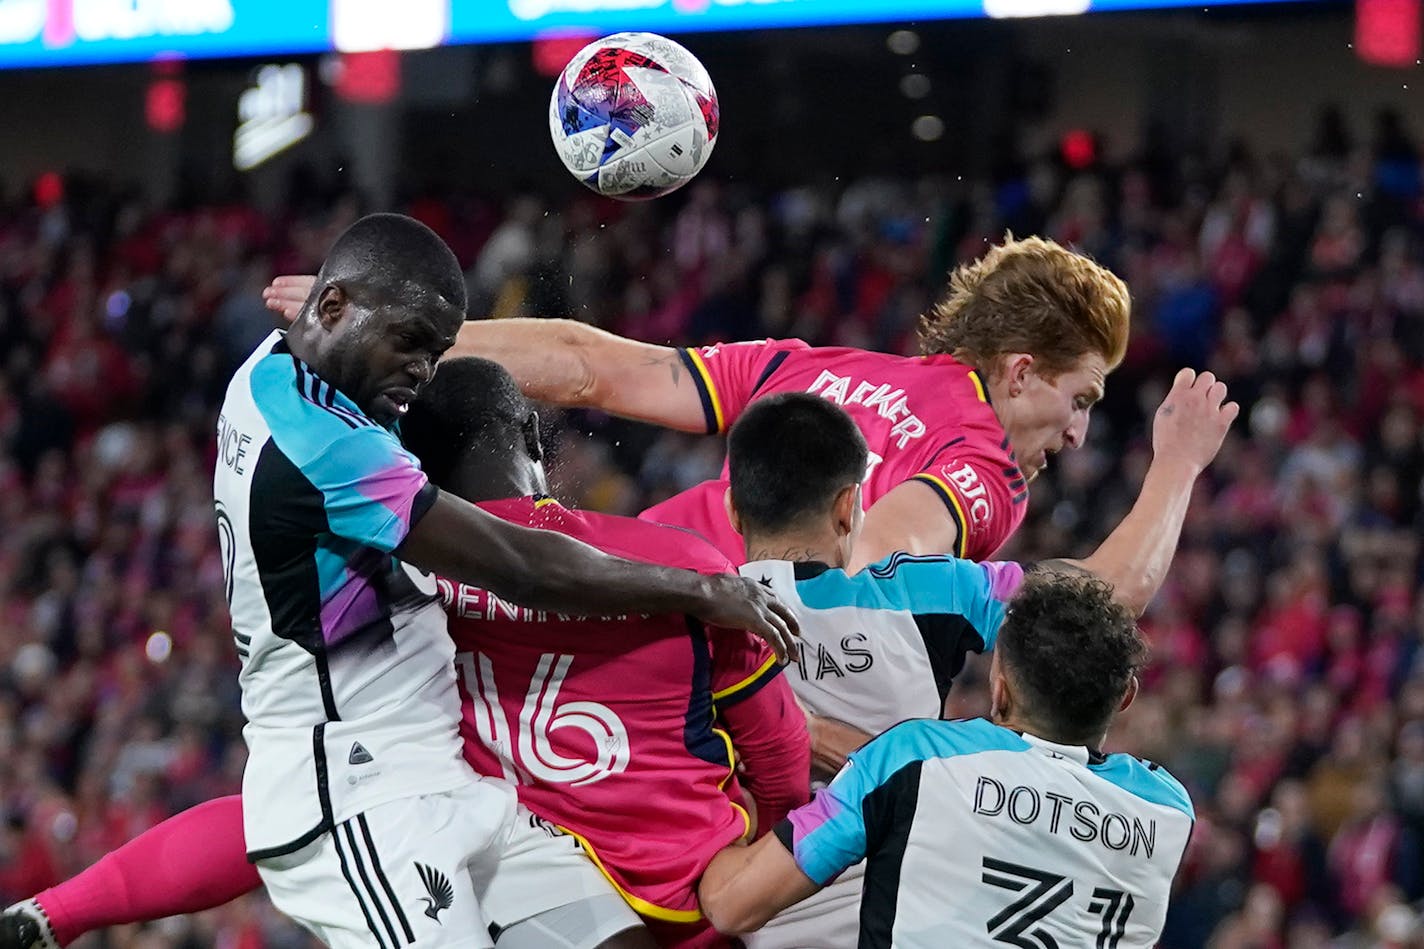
[673,360]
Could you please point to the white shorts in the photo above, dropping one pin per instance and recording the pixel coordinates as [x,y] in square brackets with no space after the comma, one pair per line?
[441,870]
[829,919]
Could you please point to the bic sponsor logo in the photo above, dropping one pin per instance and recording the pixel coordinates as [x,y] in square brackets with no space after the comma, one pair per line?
[971,489]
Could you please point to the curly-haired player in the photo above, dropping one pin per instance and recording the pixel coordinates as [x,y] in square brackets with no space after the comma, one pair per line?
[1014,829]
[1013,359]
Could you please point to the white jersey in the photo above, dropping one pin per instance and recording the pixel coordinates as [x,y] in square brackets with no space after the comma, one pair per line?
[977,835]
[883,645]
[347,670]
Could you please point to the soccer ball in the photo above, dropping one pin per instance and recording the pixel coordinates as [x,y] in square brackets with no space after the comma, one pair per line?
[634,116]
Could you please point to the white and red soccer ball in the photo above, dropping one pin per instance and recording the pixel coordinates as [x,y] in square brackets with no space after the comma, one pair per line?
[634,116]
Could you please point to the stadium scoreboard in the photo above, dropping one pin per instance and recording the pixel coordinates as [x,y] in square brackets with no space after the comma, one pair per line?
[78,32]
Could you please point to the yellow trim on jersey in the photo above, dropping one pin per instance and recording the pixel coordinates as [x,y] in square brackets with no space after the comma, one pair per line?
[640,906]
[732,689]
[978,386]
[709,387]
[958,511]
[731,770]
[542,502]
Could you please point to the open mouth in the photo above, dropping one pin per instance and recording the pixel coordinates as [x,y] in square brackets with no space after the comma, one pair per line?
[400,399]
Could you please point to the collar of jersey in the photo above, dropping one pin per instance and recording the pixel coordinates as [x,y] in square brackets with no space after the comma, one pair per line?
[1076,753]
[281,347]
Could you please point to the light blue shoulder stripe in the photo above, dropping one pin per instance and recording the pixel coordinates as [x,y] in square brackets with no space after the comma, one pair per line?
[919,585]
[1152,783]
[924,739]
[366,477]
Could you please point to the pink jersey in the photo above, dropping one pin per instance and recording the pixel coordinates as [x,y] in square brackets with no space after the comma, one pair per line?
[924,417]
[609,725]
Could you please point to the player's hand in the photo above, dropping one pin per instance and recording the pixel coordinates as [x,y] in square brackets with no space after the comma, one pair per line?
[737,602]
[1193,420]
[286,294]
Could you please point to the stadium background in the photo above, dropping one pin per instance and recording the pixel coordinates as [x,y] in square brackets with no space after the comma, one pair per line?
[1252,171]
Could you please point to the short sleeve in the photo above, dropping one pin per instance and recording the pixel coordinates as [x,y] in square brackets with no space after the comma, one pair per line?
[350,477]
[741,665]
[984,491]
[934,588]
[374,489]
[727,375]
[848,818]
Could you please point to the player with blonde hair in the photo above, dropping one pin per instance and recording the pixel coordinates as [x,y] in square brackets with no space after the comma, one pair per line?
[1013,358]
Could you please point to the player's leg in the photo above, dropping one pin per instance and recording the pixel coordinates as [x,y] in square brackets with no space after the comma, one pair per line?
[541,889]
[565,927]
[397,874]
[193,861]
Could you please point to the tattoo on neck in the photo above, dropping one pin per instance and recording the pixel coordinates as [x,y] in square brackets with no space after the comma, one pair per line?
[793,554]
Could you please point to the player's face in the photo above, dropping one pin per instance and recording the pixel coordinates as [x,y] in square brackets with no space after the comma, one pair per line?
[388,351]
[1050,415]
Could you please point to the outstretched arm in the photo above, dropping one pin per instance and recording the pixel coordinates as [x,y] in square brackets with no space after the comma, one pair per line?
[575,365]
[909,518]
[1186,435]
[563,362]
[547,570]
[746,886]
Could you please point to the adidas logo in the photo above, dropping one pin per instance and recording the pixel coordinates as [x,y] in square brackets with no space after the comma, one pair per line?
[359,754]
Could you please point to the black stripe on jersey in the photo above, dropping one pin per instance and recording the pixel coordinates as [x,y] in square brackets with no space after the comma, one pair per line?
[962,545]
[323,775]
[243,638]
[253,856]
[709,411]
[381,876]
[328,399]
[941,450]
[309,386]
[697,734]
[357,858]
[887,570]
[772,365]
[355,889]
[948,639]
[1020,498]
[286,513]
[323,681]
[889,814]
[1017,483]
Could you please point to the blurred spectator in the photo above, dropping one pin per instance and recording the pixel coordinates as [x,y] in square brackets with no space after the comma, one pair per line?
[1287,689]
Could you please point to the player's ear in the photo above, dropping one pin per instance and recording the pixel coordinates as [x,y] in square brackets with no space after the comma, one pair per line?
[1017,367]
[532,445]
[843,509]
[330,305]
[734,518]
[1000,701]
[1129,695]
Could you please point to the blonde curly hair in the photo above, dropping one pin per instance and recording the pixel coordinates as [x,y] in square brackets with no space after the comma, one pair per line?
[1030,296]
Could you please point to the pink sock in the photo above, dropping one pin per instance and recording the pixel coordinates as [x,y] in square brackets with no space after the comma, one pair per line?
[193,861]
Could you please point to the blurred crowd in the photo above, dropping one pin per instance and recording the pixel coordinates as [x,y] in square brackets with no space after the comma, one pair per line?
[1287,685]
